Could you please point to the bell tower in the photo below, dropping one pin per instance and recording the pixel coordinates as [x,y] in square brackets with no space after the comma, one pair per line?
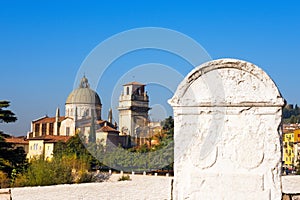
[133,111]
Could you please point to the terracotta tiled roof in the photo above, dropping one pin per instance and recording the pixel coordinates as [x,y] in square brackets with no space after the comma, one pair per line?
[134,83]
[49,120]
[4,135]
[17,140]
[51,138]
[287,131]
[107,129]
[289,128]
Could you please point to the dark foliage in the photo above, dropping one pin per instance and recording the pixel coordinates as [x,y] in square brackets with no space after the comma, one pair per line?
[6,115]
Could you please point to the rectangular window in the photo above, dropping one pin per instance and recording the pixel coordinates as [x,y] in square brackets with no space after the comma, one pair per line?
[44,129]
[51,128]
[67,131]
[37,129]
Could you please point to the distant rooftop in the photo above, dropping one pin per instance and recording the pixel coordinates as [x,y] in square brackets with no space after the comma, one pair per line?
[134,83]
[47,119]
[51,138]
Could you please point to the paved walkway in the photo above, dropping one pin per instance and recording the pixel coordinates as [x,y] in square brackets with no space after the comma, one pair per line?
[140,187]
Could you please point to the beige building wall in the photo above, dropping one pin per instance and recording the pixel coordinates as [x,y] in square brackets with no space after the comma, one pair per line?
[67,127]
[36,148]
[49,147]
[101,138]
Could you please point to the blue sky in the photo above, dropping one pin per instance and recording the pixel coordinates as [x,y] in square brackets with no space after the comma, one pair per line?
[43,44]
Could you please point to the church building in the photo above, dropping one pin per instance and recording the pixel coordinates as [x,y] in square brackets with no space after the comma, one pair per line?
[82,111]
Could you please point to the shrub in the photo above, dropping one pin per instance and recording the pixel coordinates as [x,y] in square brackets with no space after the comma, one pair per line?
[4,180]
[41,172]
[85,177]
[124,178]
[100,177]
[20,181]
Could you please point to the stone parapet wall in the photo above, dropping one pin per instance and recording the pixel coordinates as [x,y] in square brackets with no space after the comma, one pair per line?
[140,187]
[290,187]
[5,194]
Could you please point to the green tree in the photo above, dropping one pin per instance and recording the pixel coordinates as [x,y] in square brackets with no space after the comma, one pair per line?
[12,160]
[168,126]
[75,145]
[293,119]
[6,115]
[76,148]
[168,123]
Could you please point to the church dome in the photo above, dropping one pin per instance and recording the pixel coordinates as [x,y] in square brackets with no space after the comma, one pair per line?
[83,94]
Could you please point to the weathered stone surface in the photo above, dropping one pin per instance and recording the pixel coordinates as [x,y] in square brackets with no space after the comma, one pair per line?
[291,184]
[296,197]
[5,194]
[227,113]
[140,187]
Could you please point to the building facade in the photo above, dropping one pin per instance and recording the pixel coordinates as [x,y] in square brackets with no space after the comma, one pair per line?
[44,146]
[82,114]
[133,112]
[291,148]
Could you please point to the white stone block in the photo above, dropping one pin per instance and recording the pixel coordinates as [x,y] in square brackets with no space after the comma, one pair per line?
[290,184]
[5,194]
[227,146]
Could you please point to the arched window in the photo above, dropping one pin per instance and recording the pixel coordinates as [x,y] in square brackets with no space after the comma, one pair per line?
[127,90]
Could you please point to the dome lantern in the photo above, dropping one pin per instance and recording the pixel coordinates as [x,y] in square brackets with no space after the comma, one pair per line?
[84,83]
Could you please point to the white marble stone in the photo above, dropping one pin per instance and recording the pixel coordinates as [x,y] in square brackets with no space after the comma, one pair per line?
[5,194]
[227,113]
[291,184]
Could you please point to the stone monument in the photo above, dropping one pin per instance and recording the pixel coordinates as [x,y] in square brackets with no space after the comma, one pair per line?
[227,115]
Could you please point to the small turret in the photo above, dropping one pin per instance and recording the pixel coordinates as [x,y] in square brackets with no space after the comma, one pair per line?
[56,123]
[57,115]
[110,116]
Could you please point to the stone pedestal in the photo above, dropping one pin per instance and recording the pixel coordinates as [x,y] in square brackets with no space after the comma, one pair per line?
[227,146]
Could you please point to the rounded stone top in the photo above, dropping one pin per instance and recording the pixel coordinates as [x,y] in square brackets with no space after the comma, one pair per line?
[227,82]
[83,94]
